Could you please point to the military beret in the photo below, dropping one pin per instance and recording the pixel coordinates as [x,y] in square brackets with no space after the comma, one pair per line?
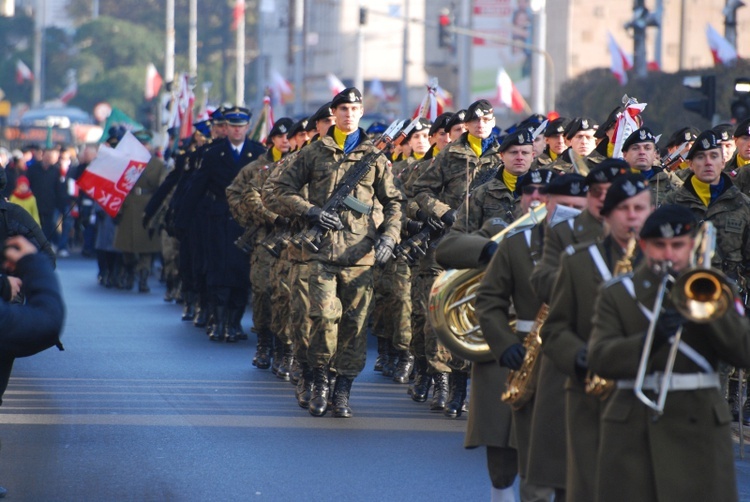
[217,116]
[348,95]
[440,122]
[555,127]
[572,184]
[322,113]
[203,127]
[421,125]
[281,127]
[680,136]
[707,140]
[580,124]
[237,116]
[376,127]
[298,127]
[458,118]
[536,177]
[668,221]
[724,131]
[521,137]
[606,171]
[479,108]
[743,129]
[623,187]
[642,135]
[608,122]
[535,120]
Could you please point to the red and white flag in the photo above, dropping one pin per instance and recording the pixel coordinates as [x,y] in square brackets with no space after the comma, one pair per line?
[112,174]
[23,72]
[153,82]
[722,51]
[377,90]
[71,89]
[238,12]
[334,84]
[281,88]
[430,108]
[626,124]
[507,93]
[621,61]
[184,107]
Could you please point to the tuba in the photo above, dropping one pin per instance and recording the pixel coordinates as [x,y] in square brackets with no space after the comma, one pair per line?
[451,305]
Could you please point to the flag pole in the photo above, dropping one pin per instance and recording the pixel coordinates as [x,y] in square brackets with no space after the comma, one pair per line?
[240,76]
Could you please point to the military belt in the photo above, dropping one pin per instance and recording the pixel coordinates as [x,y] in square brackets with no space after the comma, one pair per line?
[678,381]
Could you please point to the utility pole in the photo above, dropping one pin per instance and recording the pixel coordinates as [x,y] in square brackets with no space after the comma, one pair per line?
[404,85]
[538,95]
[169,49]
[359,69]
[642,19]
[297,48]
[240,61]
[463,53]
[730,20]
[38,83]
[193,40]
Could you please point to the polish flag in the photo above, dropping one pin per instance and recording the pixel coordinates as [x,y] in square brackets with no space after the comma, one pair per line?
[23,72]
[153,82]
[281,88]
[185,104]
[430,108]
[377,90]
[110,177]
[722,51]
[334,84]
[238,12]
[69,92]
[625,124]
[507,93]
[621,62]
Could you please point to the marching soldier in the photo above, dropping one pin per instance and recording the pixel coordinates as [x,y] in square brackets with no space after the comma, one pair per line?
[568,327]
[640,152]
[580,142]
[686,453]
[682,138]
[340,273]
[736,166]
[554,140]
[725,133]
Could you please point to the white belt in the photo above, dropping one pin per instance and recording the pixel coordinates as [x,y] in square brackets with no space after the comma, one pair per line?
[523,325]
[679,381]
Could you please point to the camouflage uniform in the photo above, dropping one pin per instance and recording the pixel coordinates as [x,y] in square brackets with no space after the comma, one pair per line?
[662,183]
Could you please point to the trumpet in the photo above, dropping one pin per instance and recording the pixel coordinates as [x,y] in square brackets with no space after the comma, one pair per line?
[700,293]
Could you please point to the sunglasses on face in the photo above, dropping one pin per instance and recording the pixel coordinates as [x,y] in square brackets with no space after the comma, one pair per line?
[530,189]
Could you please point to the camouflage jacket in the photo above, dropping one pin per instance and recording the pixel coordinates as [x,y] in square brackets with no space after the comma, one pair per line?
[244,198]
[544,159]
[661,184]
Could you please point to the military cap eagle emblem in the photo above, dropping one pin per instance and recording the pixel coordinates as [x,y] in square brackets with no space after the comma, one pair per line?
[600,177]
[666,230]
[282,128]
[352,97]
[644,134]
[584,124]
[629,188]
[461,115]
[521,139]
[575,188]
[706,143]
[536,177]
[688,136]
[479,113]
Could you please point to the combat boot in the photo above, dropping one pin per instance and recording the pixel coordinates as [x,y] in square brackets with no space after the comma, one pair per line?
[241,335]
[230,335]
[389,368]
[296,370]
[331,385]
[128,279]
[422,382]
[454,407]
[218,328]
[305,386]
[143,282]
[319,400]
[188,310]
[341,393]
[439,392]
[382,354]
[201,314]
[278,354]
[169,291]
[284,371]
[404,367]
[262,359]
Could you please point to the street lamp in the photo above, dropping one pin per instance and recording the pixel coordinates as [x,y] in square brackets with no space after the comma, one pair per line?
[538,95]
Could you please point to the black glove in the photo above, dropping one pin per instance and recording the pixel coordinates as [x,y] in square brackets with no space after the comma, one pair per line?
[146,220]
[281,222]
[324,219]
[669,322]
[449,218]
[413,227]
[582,364]
[433,223]
[384,249]
[487,252]
[513,356]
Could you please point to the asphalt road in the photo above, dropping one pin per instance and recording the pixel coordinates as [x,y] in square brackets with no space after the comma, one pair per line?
[141,406]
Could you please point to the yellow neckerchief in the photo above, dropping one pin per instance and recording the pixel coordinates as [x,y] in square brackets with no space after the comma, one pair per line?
[339,137]
[741,161]
[509,180]
[417,156]
[276,154]
[475,144]
[684,165]
[610,150]
[552,155]
[703,190]
[435,150]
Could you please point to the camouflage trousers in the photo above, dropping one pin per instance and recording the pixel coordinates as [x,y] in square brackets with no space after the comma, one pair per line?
[138,262]
[261,282]
[280,300]
[391,314]
[170,251]
[339,299]
[299,309]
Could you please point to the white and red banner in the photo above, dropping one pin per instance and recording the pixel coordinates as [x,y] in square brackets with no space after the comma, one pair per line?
[70,90]
[621,61]
[722,51]
[429,108]
[153,82]
[334,84]
[281,89]
[112,174]
[23,72]
[508,95]
[626,124]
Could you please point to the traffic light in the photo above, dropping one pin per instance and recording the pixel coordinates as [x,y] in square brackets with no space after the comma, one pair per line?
[740,107]
[445,36]
[705,106]
[362,16]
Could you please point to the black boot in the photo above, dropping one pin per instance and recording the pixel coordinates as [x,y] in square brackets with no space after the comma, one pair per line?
[219,327]
[128,279]
[201,315]
[440,391]
[331,385]
[169,291]
[319,400]
[284,371]
[341,393]
[143,282]
[262,359]
[404,367]
[241,335]
[422,382]
[382,354]
[305,386]
[188,310]
[454,407]
[230,335]
[296,370]
[278,354]
[389,367]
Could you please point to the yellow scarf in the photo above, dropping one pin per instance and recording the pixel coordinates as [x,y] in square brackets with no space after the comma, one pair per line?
[552,155]
[509,180]
[276,154]
[475,144]
[741,161]
[703,190]
[339,137]
[417,156]
[435,151]
[610,150]
[684,165]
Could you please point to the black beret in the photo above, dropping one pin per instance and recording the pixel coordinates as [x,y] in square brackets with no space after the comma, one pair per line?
[608,122]
[623,187]
[322,113]
[743,129]
[707,140]
[238,116]
[348,95]
[724,131]
[669,220]
[281,127]
[579,124]
[458,118]
[680,136]
[477,109]
[606,171]
[642,135]
[572,184]
[555,127]
[298,127]
[421,125]
[520,137]
[440,122]
[536,177]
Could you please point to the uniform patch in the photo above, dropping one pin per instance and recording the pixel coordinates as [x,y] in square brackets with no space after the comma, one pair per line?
[733,225]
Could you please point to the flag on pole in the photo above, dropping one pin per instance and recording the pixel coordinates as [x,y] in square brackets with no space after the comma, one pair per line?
[621,61]
[264,124]
[281,89]
[238,12]
[153,82]
[70,90]
[508,95]
[430,108]
[334,84]
[182,109]
[626,124]
[112,174]
[119,117]
[377,90]
[722,51]
[23,72]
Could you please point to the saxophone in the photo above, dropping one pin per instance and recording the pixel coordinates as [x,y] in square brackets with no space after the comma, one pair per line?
[521,383]
[595,385]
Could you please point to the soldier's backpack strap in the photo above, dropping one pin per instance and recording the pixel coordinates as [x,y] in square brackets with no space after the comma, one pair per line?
[601,265]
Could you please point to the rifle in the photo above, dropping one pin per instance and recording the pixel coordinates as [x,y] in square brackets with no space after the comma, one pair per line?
[245,241]
[341,196]
[671,161]
[275,243]
[415,246]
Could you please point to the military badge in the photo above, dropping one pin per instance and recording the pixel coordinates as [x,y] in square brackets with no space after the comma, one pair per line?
[666,230]
[575,188]
[629,188]
[520,139]
[536,177]
[584,124]
[643,134]
[706,143]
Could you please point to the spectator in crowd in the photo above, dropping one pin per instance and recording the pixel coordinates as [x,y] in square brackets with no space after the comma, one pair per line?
[87,217]
[24,197]
[44,179]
